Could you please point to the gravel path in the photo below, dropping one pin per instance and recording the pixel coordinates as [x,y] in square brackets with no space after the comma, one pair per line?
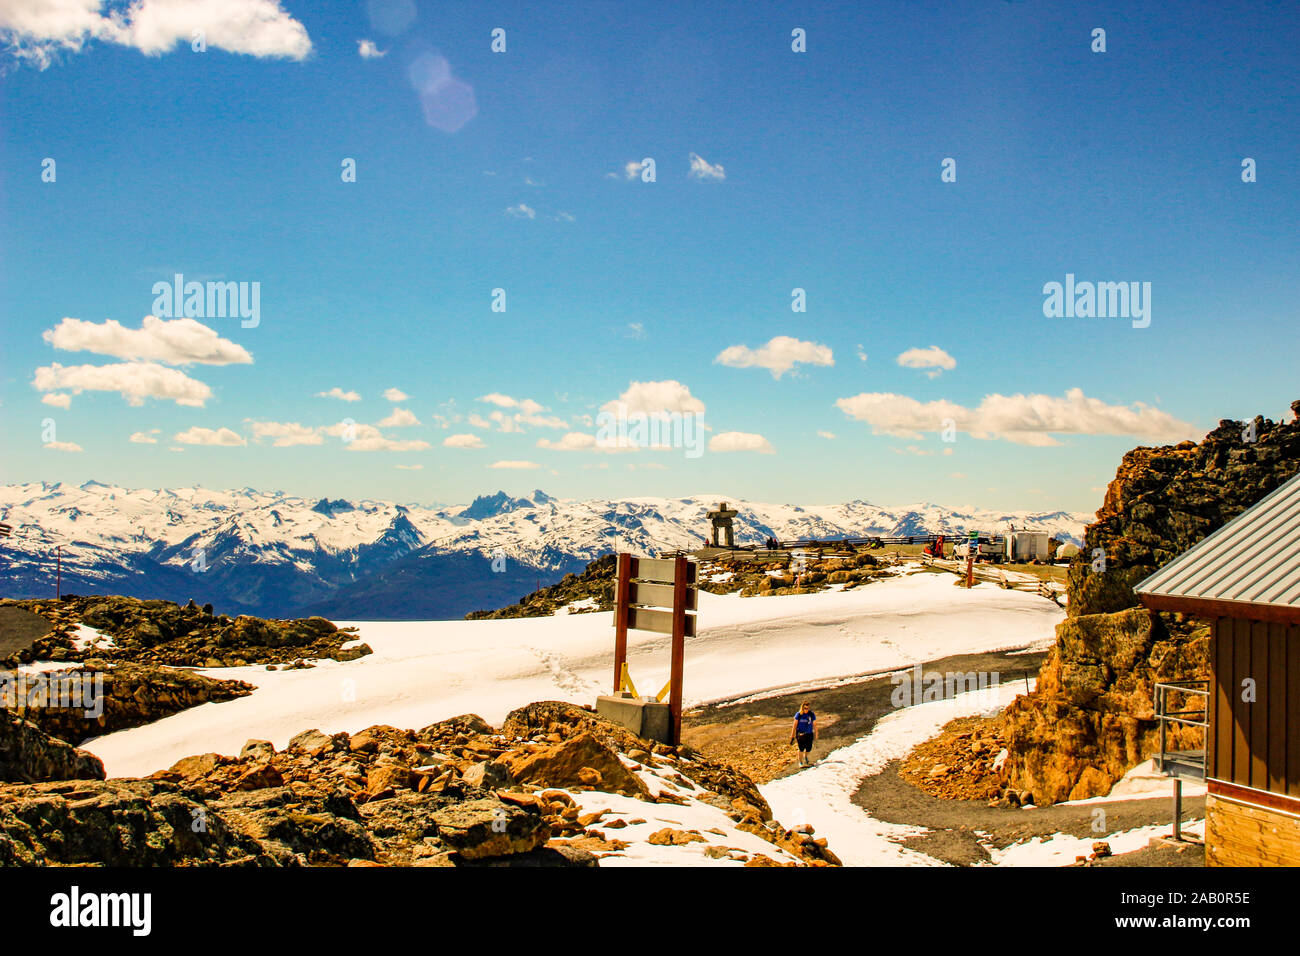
[753,735]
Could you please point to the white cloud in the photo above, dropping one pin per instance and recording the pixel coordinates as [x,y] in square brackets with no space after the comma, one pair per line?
[631,169]
[1023,419]
[702,169]
[525,405]
[563,216]
[38,30]
[778,356]
[635,330]
[409,467]
[171,342]
[57,399]
[145,438]
[369,438]
[526,411]
[369,51]
[825,434]
[522,465]
[209,436]
[395,395]
[399,418]
[573,441]
[134,381]
[63,446]
[862,354]
[522,211]
[341,395]
[740,441]
[650,398]
[956,476]
[463,441]
[286,434]
[932,358]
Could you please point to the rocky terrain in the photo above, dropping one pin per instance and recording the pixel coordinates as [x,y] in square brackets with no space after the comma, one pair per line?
[28,754]
[135,670]
[456,793]
[1164,500]
[163,633]
[1091,719]
[593,589]
[119,695]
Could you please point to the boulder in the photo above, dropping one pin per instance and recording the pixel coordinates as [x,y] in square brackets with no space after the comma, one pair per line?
[29,755]
[310,741]
[488,775]
[476,829]
[570,764]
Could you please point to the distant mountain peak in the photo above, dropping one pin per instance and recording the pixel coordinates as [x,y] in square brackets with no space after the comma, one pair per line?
[489,506]
[332,508]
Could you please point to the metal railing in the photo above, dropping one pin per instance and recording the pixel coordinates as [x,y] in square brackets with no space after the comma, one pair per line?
[1181,763]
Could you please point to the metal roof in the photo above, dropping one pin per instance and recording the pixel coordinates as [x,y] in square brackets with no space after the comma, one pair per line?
[1253,559]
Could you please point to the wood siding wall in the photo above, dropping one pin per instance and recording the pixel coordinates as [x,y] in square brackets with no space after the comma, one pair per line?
[1238,835]
[1256,744]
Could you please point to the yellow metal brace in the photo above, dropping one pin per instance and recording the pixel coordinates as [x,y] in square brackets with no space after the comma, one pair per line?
[664,693]
[625,681]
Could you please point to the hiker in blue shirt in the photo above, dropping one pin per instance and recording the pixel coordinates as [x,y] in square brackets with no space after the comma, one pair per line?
[804,732]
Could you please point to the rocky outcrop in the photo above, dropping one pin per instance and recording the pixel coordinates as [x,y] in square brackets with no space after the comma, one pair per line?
[105,698]
[1090,720]
[163,633]
[594,587]
[1164,500]
[29,755]
[383,796]
[575,762]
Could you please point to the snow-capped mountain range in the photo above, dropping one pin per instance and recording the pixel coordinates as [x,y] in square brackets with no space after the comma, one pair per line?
[275,554]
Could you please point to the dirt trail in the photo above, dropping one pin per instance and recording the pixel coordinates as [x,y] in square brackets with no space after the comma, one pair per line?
[753,736]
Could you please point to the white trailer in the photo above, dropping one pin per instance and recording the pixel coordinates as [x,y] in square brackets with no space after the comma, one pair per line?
[1024,546]
[1014,546]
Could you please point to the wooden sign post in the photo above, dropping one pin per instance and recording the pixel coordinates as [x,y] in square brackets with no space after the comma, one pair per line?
[644,587]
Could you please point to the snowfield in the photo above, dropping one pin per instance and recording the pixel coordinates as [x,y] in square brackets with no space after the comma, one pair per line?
[422,672]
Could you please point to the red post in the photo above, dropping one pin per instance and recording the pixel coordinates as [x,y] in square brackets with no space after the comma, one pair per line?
[681,582]
[622,591]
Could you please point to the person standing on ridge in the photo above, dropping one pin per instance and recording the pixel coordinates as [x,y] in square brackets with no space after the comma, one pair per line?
[804,732]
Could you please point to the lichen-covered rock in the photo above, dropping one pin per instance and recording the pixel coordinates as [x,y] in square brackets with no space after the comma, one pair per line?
[569,764]
[163,633]
[118,823]
[115,697]
[1164,500]
[476,829]
[30,755]
[1090,720]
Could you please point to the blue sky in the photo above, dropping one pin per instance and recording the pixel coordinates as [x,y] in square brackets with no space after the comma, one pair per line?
[817,170]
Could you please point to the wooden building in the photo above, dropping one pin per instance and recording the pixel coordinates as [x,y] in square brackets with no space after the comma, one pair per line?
[1245,579]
